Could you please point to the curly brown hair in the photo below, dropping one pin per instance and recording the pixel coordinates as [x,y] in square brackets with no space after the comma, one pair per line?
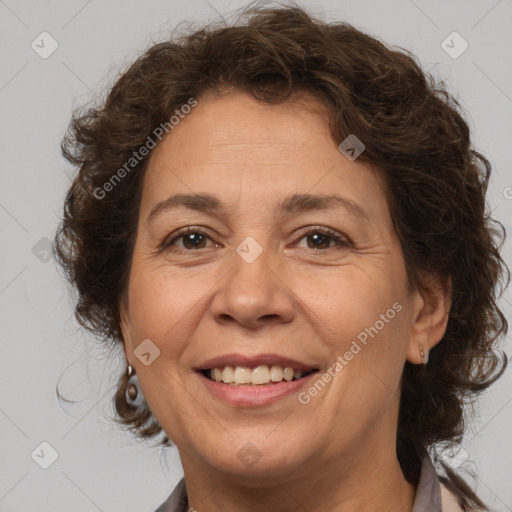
[415,135]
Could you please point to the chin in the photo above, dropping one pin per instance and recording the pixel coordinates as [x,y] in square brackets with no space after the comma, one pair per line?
[256,456]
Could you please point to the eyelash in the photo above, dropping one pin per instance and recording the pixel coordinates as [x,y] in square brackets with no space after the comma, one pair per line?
[338,239]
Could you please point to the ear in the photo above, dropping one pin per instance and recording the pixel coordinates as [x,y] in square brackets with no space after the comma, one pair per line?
[126,330]
[431,309]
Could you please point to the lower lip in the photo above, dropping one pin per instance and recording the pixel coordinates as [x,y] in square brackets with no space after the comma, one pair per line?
[254,396]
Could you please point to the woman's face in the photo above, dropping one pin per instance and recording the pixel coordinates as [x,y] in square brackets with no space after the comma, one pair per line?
[260,284]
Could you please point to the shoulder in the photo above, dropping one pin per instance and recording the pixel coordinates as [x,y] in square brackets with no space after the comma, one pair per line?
[449,501]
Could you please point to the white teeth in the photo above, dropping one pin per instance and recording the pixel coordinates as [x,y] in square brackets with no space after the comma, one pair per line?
[217,374]
[276,373]
[228,374]
[288,374]
[260,375]
[242,375]
[257,376]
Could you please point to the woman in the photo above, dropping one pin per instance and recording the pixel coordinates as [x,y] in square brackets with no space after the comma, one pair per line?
[283,224]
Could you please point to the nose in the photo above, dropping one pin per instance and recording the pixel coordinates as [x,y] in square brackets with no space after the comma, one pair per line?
[253,294]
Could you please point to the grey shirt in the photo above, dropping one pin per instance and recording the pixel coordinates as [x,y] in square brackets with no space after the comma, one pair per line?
[427,499]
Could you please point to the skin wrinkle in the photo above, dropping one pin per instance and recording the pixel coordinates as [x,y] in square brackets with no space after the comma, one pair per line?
[285,296]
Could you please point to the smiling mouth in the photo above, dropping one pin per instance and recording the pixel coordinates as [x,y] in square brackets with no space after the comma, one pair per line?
[258,376]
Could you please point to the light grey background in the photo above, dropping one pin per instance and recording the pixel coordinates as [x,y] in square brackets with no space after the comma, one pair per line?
[98,466]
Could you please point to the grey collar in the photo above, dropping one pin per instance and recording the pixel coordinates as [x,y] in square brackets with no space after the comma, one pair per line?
[428,492]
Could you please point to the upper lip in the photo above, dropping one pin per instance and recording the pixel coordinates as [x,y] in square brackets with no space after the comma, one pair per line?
[253,361]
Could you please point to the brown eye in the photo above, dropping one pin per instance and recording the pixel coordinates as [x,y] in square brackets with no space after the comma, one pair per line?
[321,239]
[191,239]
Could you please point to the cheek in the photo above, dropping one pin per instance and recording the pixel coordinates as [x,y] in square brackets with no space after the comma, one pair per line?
[161,308]
[351,305]
[370,352]
[366,332]
[161,301]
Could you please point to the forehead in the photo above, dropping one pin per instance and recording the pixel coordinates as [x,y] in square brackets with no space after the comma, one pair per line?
[236,146]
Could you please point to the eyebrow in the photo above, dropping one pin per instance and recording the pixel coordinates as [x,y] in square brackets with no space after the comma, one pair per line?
[296,203]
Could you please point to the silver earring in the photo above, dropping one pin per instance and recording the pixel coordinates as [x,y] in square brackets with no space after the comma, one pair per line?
[134,396]
[423,356]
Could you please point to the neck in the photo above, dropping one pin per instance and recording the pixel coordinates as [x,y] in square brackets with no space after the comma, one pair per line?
[376,484]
